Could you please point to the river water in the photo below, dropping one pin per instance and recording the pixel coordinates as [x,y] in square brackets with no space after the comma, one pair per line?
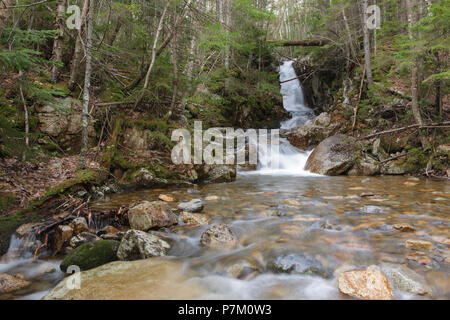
[339,222]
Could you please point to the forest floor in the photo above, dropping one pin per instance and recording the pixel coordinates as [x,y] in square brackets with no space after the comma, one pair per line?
[27,181]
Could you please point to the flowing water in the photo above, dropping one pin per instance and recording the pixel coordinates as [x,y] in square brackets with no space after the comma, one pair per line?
[277,210]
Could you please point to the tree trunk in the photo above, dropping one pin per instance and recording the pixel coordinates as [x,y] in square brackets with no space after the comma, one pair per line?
[87,85]
[349,36]
[58,44]
[367,58]
[175,67]
[78,52]
[154,53]
[4,13]
[414,69]
[116,30]
[227,27]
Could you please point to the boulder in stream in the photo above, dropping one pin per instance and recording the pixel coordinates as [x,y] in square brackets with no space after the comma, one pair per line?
[405,279]
[147,215]
[219,236]
[334,155]
[298,263]
[136,245]
[83,238]
[79,225]
[368,284]
[91,255]
[195,205]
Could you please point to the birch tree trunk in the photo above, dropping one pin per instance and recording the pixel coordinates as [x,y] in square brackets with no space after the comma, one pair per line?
[58,44]
[227,26]
[414,69]
[4,13]
[87,86]
[367,57]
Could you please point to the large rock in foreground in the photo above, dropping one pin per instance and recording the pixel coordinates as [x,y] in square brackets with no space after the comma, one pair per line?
[147,215]
[91,255]
[121,280]
[10,283]
[368,284]
[334,155]
[136,245]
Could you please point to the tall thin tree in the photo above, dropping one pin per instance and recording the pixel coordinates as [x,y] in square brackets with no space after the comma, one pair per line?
[87,86]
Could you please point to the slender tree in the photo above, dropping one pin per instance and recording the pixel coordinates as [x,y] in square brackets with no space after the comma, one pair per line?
[87,86]
[58,44]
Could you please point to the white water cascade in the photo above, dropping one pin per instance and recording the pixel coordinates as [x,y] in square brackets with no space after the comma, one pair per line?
[287,159]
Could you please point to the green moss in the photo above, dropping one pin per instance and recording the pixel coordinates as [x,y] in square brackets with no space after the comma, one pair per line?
[91,255]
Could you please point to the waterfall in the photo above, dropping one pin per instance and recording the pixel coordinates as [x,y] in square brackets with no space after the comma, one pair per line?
[286,159]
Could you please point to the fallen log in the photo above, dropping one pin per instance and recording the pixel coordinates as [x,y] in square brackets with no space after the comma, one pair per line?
[445,124]
[299,43]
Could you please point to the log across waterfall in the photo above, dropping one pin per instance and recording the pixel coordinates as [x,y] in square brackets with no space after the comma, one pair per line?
[286,159]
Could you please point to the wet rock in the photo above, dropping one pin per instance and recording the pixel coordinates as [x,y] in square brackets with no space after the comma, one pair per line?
[211,198]
[91,255]
[195,205]
[405,279]
[83,238]
[147,215]
[395,167]
[310,135]
[148,279]
[45,268]
[136,245]
[333,156]
[10,283]
[416,244]
[79,225]
[195,219]
[166,198]
[307,136]
[403,227]
[108,229]
[365,166]
[242,269]
[330,226]
[219,236]
[113,236]
[144,178]
[291,202]
[299,263]
[368,284]
[63,235]
[216,173]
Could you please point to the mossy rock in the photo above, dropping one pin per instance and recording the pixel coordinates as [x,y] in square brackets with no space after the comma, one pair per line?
[91,255]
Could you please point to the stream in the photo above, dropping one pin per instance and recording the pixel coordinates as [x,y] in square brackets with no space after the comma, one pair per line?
[280,210]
